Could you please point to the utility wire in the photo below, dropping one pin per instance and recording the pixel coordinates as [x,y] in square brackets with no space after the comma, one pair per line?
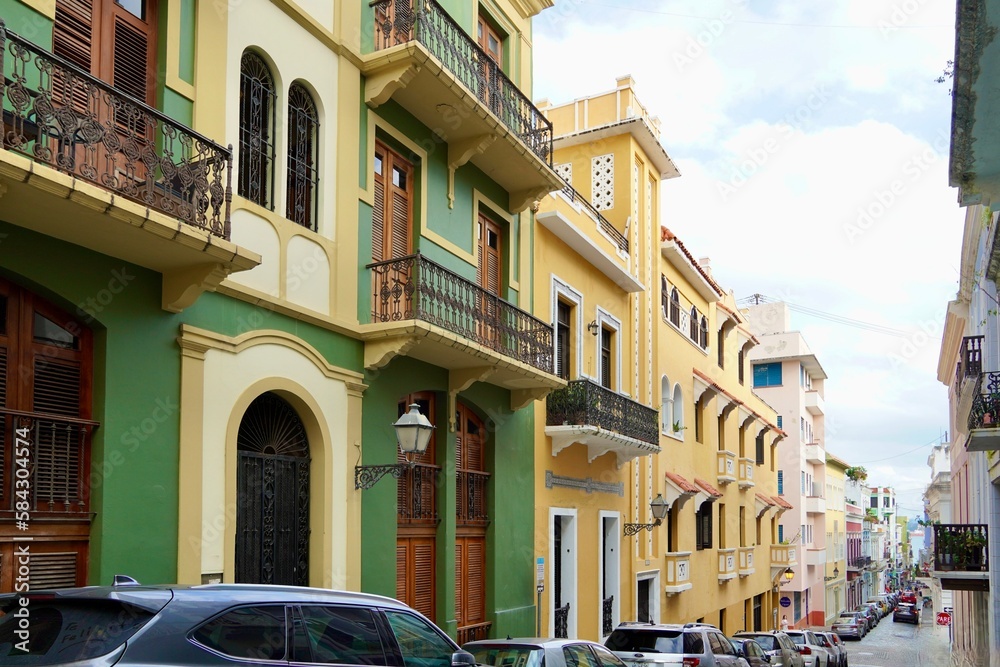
[896,456]
[757,299]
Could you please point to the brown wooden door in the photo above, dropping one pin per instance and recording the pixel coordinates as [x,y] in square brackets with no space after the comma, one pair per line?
[489,276]
[415,580]
[45,388]
[392,215]
[472,517]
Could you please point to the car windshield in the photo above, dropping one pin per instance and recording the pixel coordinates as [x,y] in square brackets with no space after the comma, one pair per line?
[798,639]
[767,642]
[847,618]
[505,655]
[655,641]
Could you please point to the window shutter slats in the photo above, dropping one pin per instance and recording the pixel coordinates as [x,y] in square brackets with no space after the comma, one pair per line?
[402,569]
[131,64]
[460,582]
[400,223]
[53,570]
[57,387]
[475,577]
[72,33]
[423,579]
[378,221]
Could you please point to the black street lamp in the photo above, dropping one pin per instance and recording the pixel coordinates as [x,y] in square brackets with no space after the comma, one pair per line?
[659,507]
[413,434]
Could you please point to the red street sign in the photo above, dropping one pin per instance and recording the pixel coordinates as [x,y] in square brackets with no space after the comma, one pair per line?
[943,618]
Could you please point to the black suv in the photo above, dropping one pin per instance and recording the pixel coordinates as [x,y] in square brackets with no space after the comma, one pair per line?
[663,644]
[217,625]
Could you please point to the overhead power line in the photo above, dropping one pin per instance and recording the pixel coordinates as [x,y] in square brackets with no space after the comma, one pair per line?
[757,299]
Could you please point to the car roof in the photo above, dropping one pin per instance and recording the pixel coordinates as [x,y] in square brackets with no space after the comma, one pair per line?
[536,642]
[233,593]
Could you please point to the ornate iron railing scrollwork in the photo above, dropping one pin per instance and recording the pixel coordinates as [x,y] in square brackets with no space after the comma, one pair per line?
[584,402]
[365,477]
[985,410]
[607,615]
[57,114]
[399,21]
[562,621]
[414,287]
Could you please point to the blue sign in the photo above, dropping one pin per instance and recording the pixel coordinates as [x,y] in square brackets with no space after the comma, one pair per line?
[785,602]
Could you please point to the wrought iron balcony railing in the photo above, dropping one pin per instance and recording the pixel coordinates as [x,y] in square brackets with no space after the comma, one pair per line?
[57,114]
[472,633]
[985,411]
[570,193]
[961,547]
[584,402]
[416,495]
[860,563]
[52,455]
[399,21]
[416,288]
[562,621]
[471,505]
[970,364]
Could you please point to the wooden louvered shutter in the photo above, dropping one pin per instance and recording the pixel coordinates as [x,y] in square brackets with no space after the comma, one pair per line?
[402,177]
[475,578]
[72,33]
[128,48]
[378,208]
[402,570]
[460,580]
[423,576]
[489,263]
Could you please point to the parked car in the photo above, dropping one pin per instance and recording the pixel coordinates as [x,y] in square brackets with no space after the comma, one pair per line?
[658,645]
[220,624]
[778,646]
[835,645]
[751,651]
[906,612]
[883,604]
[871,616]
[811,649]
[908,596]
[535,652]
[850,624]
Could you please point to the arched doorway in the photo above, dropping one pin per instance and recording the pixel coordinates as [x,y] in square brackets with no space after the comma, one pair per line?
[272,487]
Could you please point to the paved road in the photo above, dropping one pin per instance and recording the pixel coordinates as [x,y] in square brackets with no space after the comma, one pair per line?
[902,645]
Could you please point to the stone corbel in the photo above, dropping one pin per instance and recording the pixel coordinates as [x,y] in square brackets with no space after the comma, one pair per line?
[700,388]
[379,86]
[183,287]
[460,152]
[520,398]
[725,406]
[524,199]
[458,381]
[381,351]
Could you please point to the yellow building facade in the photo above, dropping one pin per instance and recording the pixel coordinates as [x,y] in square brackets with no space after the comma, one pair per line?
[836,537]
[624,438]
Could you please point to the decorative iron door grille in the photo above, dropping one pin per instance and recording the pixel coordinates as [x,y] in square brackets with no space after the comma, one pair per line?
[272,521]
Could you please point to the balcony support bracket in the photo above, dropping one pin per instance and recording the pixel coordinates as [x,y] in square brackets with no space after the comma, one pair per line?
[182,288]
[380,352]
[460,152]
[520,398]
[380,85]
[458,381]
[520,201]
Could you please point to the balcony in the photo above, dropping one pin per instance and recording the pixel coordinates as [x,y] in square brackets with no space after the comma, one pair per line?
[814,504]
[428,64]
[677,568]
[85,163]
[815,454]
[859,563]
[969,367]
[425,311]
[746,561]
[816,557]
[814,403]
[726,467]
[745,471]
[727,564]
[984,414]
[784,555]
[605,421]
[961,556]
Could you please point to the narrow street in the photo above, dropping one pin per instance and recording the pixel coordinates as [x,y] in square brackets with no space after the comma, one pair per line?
[902,644]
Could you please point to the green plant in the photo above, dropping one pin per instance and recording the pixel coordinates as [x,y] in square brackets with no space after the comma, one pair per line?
[677,427]
[856,473]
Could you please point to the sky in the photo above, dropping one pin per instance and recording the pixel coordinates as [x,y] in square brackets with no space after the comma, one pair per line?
[812,143]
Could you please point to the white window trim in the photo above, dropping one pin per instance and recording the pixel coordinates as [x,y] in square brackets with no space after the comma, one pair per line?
[616,584]
[562,289]
[604,318]
[678,390]
[569,571]
[654,597]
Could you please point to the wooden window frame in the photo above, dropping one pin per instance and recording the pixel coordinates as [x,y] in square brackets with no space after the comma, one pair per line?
[383,245]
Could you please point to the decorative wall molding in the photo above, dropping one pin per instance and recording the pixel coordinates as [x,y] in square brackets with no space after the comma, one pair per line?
[588,484]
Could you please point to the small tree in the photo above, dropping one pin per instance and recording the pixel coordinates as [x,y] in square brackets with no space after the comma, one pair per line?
[856,473]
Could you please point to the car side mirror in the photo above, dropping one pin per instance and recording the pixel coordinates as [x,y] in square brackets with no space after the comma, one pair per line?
[767,658]
[462,659]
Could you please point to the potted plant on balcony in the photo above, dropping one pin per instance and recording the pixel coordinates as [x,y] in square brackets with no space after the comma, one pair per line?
[969,549]
[856,473]
[677,427]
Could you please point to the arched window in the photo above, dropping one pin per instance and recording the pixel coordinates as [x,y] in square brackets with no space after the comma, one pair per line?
[664,297]
[255,179]
[693,325]
[666,403]
[677,406]
[704,332]
[675,308]
[303,157]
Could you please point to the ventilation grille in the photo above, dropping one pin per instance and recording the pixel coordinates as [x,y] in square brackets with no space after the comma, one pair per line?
[55,570]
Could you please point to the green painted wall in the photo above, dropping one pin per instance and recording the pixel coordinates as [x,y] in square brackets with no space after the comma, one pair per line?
[455,224]
[185,59]
[510,537]
[178,107]
[134,469]
[27,23]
